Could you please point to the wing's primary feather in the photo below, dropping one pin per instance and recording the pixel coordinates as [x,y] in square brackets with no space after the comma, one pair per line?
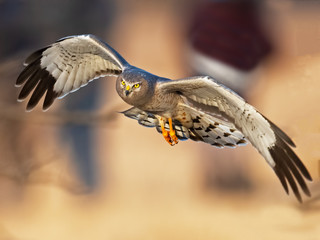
[65,66]
[271,142]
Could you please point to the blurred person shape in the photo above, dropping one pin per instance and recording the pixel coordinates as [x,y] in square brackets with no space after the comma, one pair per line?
[20,32]
[226,41]
[81,138]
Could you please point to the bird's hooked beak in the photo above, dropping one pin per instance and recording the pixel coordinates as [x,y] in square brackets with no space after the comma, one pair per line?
[127,91]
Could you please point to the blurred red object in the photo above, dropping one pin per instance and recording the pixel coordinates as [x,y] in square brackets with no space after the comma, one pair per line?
[230,31]
[227,41]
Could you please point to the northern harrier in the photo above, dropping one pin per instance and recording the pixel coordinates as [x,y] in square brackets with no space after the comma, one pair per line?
[197,108]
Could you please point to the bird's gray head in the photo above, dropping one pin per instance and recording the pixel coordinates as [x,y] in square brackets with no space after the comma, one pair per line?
[135,87]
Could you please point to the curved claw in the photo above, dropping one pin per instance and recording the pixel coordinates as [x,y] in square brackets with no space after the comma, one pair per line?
[172,133]
[169,136]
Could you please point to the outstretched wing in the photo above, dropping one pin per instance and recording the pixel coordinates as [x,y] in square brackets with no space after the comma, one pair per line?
[65,66]
[272,143]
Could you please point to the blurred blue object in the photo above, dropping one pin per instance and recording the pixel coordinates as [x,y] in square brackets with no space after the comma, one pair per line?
[81,137]
[26,25]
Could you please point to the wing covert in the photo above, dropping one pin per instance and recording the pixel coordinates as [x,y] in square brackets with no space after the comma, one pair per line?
[65,66]
[273,144]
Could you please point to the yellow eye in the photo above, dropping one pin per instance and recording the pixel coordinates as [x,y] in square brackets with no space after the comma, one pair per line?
[137,85]
[123,83]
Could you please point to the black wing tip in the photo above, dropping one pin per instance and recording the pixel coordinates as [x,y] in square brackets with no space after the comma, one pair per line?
[27,72]
[290,169]
[37,79]
[49,99]
[282,179]
[281,134]
[35,55]
[29,107]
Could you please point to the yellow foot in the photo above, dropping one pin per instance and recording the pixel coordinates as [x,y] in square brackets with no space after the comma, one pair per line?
[169,136]
[174,139]
[172,133]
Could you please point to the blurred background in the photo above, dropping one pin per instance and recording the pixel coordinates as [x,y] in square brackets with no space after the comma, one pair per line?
[83,171]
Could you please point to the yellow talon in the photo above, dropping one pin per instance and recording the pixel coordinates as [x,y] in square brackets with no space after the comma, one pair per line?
[169,136]
[172,133]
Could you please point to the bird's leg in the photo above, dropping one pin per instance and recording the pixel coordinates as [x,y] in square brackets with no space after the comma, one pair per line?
[165,133]
[172,133]
[169,136]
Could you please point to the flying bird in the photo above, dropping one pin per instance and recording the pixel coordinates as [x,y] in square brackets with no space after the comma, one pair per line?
[197,108]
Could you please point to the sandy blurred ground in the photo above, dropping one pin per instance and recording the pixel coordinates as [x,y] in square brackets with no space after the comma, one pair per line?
[149,190]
